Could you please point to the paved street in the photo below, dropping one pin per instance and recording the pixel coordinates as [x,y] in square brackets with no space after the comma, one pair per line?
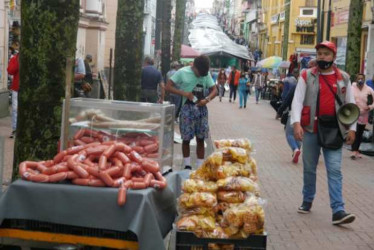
[281,182]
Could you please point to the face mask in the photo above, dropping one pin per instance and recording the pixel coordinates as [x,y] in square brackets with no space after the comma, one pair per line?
[360,82]
[324,64]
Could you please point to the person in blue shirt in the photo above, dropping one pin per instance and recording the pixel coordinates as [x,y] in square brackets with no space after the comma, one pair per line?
[243,82]
[370,82]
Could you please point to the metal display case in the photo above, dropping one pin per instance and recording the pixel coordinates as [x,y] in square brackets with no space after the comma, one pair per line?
[133,123]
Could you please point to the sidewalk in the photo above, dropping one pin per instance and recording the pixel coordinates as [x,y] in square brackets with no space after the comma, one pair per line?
[281,183]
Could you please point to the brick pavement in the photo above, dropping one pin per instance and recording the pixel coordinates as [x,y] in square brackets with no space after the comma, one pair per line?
[281,183]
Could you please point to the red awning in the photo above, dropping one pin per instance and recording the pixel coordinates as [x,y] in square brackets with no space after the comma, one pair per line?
[188,52]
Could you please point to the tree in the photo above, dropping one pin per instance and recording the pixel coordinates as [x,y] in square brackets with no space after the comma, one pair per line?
[128,50]
[49,33]
[286,29]
[178,31]
[352,59]
[166,37]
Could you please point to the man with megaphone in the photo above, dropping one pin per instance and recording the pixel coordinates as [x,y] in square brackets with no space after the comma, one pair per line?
[321,93]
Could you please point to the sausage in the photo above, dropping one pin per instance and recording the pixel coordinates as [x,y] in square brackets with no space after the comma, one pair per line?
[39,178]
[150,166]
[82,155]
[102,162]
[81,182]
[98,150]
[25,165]
[80,171]
[74,150]
[26,175]
[71,175]
[153,155]
[108,143]
[88,162]
[117,162]
[145,142]
[109,151]
[127,171]
[159,177]
[148,178]
[93,144]
[151,148]
[137,179]
[91,133]
[58,158]
[48,163]
[122,157]
[121,199]
[72,161]
[96,183]
[113,171]
[41,167]
[158,184]
[79,134]
[93,171]
[138,149]
[135,157]
[138,185]
[128,183]
[87,139]
[58,177]
[118,182]
[135,167]
[105,177]
[123,147]
[79,142]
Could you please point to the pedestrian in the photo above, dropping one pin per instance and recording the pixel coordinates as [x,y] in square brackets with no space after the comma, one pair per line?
[151,81]
[13,69]
[193,81]
[315,99]
[221,80]
[233,82]
[364,99]
[370,83]
[243,82]
[88,77]
[276,97]
[258,83]
[174,99]
[289,82]
[79,74]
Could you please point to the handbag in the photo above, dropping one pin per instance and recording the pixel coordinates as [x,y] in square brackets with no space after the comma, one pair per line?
[328,132]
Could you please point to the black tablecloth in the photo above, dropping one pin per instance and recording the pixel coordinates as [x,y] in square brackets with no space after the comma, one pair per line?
[148,213]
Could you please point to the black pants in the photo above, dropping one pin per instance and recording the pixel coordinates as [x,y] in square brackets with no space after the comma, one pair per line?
[275,103]
[233,89]
[359,131]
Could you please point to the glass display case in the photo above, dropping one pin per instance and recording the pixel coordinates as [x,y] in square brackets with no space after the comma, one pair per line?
[148,128]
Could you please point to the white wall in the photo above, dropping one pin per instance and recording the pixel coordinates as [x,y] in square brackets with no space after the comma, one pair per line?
[3,46]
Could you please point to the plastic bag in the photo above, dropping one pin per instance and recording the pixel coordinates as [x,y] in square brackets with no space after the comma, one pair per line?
[239,143]
[196,222]
[197,199]
[234,169]
[193,185]
[231,196]
[216,233]
[237,184]
[206,211]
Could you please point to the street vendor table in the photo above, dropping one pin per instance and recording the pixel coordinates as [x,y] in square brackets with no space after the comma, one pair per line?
[148,213]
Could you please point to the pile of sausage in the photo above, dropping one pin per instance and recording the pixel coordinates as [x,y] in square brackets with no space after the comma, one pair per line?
[146,146]
[98,164]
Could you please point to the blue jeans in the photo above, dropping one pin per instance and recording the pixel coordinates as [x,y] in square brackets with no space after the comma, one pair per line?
[14,109]
[333,159]
[258,93]
[290,137]
[242,97]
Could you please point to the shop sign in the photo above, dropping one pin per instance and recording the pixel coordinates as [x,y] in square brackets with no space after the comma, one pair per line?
[342,17]
[303,23]
[274,18]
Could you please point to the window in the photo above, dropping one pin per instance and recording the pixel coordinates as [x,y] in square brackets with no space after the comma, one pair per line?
[308,12]
[307,39]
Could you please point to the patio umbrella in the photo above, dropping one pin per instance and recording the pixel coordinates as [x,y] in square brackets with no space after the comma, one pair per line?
[188,52]
[270,62]
[284,64]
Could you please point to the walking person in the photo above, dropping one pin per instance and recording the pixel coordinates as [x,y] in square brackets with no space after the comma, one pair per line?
[151,81]
[13,69]
[233,82]
[194,81]
[315,99]
[243,82]
[79,74]
[364,99]
[258,83]
[221,80]
[174,99]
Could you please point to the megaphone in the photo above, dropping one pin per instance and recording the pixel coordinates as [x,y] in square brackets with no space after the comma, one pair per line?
[348,114]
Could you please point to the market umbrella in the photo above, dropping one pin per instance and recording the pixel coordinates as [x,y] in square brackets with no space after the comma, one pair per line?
[284,64]
[270,62]
[188,52]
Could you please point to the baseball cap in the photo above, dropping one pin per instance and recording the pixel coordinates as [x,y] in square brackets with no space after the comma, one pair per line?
[327,44]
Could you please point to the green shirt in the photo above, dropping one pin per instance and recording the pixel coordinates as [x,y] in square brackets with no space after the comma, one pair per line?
[186,80]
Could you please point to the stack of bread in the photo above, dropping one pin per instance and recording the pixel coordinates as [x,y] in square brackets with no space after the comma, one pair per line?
[221,198]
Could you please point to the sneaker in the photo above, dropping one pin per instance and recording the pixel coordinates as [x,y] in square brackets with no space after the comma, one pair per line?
[342,217]
[305,208]
[295,156]
[12,134]
[187,168]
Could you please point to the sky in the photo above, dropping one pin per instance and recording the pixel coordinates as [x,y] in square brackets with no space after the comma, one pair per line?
[201,4]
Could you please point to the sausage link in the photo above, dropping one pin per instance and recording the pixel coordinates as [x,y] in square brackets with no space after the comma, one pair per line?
[39,178]
[145,142]
[74,150]
[154,155]
[151,148]
[138,185]
[87,139]
[48,163]
[58,177]
[127,171]
[158,184]
[150,166]
[79,170]
[72,161]
[102,162]
[71,175]
[96,183]
[58,158]
[148,178]
[128,183]
[137,179]
[93,171]
[113,171]
[109,151]
[97,150]
[81,182]
[135,157]
[117,162]
[123,147]
[41,167]
[135,167]
[138,149]
[105,177]
[159,177]
[79,134]
[122,157]
[121,200]
[78,142]
[119,181]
